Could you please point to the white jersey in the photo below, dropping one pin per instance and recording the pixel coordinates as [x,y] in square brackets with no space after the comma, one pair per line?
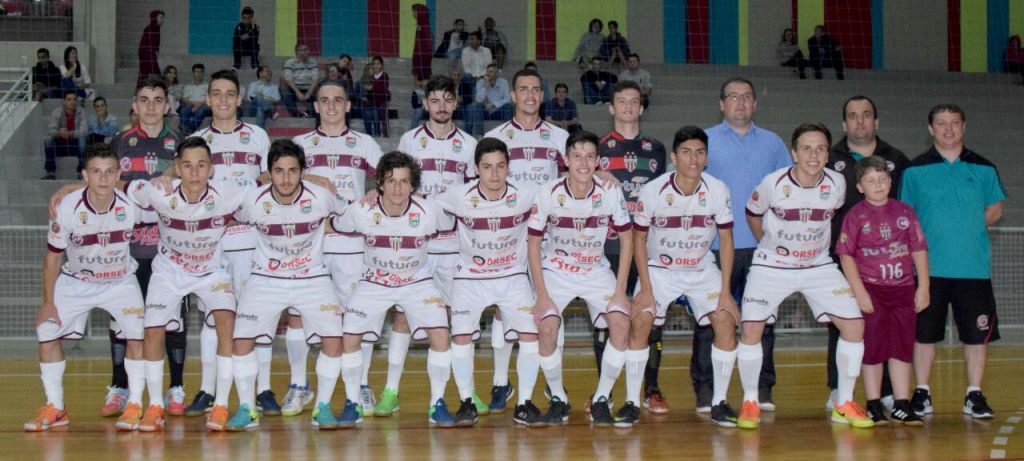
[346,160]
[446,161]
[536,154]
[681,227]
[291,237]
[492,233]
[190,233]
[238,156]
[96,241]
[575,229]
[797,220]
[396,246]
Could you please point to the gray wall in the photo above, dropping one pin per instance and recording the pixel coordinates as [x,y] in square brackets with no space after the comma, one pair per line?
[915,35]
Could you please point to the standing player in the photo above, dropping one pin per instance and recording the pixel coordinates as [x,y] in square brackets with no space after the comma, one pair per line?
[346,158]
[94,228]
[573,216]
[677,217]
[396,229]
[790,215]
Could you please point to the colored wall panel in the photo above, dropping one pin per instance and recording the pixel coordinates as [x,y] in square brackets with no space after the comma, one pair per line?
[809,13]
[286,27]
[1017,17]
[877,34]
[572,17]
[998,33]
[382,27]
[953,40]
[849,23]
[674,31]
[698,39]
[546,36]
[743,17]
[973,35]
[407,26]
[211,24]
[309,29]
[344,28]
[723,17]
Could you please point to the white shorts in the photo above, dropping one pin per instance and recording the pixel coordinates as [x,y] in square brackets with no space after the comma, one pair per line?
[420,301]
[239,264]
[346,270]
[265,298]
[167,287]
[513,295]
[596,288]
[701,289]
[74,299]
[443,268]
[824,287]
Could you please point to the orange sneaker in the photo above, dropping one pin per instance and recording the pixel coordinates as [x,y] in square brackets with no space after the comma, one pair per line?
[218,418]
[852,414]
[130,417]
[750,415]
[153,420]
[48,417]
[655,403]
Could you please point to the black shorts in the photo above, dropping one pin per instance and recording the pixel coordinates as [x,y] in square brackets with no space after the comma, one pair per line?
[974,311]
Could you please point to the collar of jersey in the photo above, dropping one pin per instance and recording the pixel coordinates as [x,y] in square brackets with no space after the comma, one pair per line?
[565,185]
[789,175]
[302,190]
[142,133]
[520,127]
[383,210]
[508,187]
[450,135]
[88,206]
[672,181]
[323,133]
[181,194]
[236,129]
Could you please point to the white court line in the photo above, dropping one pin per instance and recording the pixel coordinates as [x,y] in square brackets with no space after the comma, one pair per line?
[1013,419]
[997,454]
[1000,440]
[1006,429]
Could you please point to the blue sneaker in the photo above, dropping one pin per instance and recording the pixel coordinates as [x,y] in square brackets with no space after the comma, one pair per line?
[244,419]
[439,416]
[266,403]
[323,417]
[500,396]
[351,415]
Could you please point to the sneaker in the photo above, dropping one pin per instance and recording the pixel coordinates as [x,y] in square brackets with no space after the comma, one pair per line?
[388,403]
[115,402]
[48,417]
[901,413]
[832,396]
[627,416]
[601,413]
[704,397]
[529,415]
[174,401]
[750,415]
[200,405]
[367,400]
[439,416]
[558,412]
[244,418]
[466,416]
[852,414]
[499,398]
[266,403]
[877,412]
[49,177]
[921,402]
[976,406]
[218,418]
[764,399]
[482,408]
[590,401]
[351,415]
[655,402]
[130,418]
[723,415]
[296,400]
[323,417]
[888,403]
[153,419]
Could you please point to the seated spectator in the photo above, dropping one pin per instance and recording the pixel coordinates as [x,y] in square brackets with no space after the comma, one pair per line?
[173,89]
[376,94]
[246,40]
[419,113]
[640,76]
[590,44]
[561,111]
[466,89]
[453,42]
[789,55]
[102,124]
[193,108]
[1014,58]
[45,77]
[493,101]
[496,42]
[597,83]
[543,83]
[475,57]
[615,48]
[333,72]
[301,76]
[73,74]
[825,52]
[67,134]
[133,120]
[345,67]
[263,97]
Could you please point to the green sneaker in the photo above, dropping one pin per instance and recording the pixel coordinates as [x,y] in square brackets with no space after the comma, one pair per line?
[482,408]
[388,403]
[244,419]
[323,417]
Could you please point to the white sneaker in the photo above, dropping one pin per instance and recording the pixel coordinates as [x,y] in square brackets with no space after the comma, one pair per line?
[367,400]
[296,400]
[832,396]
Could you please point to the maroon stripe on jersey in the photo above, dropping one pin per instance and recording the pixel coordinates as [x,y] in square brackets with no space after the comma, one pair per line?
[534,153]
[394,241]
[684,222]
[442,165]
[195,225]
[337,161]
[803,214]
[101,238]
[494,223]
[290,229]
[234,158]
[566,222]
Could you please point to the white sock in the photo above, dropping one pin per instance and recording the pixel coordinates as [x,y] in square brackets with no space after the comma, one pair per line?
[502,352]
[208,358]
[552,366]
[848,360]
[298,352]
[439,366]
[722,363]
[244,368]
[264,355]
[972,389]
[462,368]
[136,371]
[155,382]
[225,374]
[398,346]
[327,371]
[636,362]
[924,387]
[749,358]
[367,350]
[611,365]
[52,375]
[351,367]
[527,367]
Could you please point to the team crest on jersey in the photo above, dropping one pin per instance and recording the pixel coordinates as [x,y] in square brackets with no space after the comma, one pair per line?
[646,145]
[709,221]
[126,164]
[660,221]
[474,201]
[460,168]
[611,143]
[217,221]
[370,239]
[350,141]
[686,222]
[332,161]
[579,223]
[552,220]
[267,206]
[702,199]
[866,229]
[315,140]
[310,158]
[468,221]
[903,223]
[244,137]
[885,230]
[439,165]
[414,219]
[603,163]
[76,240]
[423,142]
[377,217]
[653,165]
[805,214]
[396,242]
[517,220]
[596,201]
[103,238]
[119,214]
[191,226]
[169,144]
[227,158]
[250,158]
[824,191]
[630,160]
[603,221]
[174,202]
[209,138]
[133,141]
[151,161]
[209,202]
[510,201]
[83,216]
[457,145]
[306,205]
[786,190]
[545,134]
[510,133]
[528,153]
[561,200]
[54,227]
[288,229]
[494,223]
[840,166]
[670,198]
[357,162]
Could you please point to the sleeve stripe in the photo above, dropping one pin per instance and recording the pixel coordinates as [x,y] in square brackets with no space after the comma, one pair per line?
[536,233]
[640,228]
[54,249]
[727,225]
[752,213]
[623,228]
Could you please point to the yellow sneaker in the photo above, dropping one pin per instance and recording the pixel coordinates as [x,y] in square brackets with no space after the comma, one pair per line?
[750,415]
[218,418]
[48,417]
[130,417]
[852,414]
[153,419]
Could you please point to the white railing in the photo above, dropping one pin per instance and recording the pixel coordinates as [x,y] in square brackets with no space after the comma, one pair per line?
[17,92]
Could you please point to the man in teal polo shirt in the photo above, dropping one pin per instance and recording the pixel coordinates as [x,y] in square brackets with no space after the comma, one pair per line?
[956,194]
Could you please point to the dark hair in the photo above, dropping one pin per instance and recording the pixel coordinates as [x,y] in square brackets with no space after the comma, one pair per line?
[192,143]
[477,34]
[946,107]
[335,83]
[792,37]
[442,83]
[458,20]
[521,73]
[262,68]
[281,148]
[345,56]
[599,24]
[488,146]
[156,83]
[623,85]
[43,50]
[98,99]
[867,164]
[687,133]
[168,69]
[99,150]
[613,23]
[247,10]
[581,137]
[378,59]
[529,64]
[66,92]
[561,85]
[810,128]
[199,66]
[633,55]
[300,44]
[874,109]
[721,92]
[394,160]
[495,66]
[225,74]
[67,62]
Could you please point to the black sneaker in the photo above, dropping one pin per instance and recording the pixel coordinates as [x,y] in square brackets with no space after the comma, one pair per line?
[877,412]
[976,406]
[901,413]
[764,399]
[921,402]
[723,415]
[200,405]
[529,415]
[704,397]
[627,416]
[558,412]
[600,414]
[266,403]
[466,416]
[49,176]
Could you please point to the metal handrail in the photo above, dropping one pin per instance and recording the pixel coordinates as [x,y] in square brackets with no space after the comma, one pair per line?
[12,99]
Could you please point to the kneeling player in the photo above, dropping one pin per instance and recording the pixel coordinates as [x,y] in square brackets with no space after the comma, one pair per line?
[568,228]
[678,215]
[790,214]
